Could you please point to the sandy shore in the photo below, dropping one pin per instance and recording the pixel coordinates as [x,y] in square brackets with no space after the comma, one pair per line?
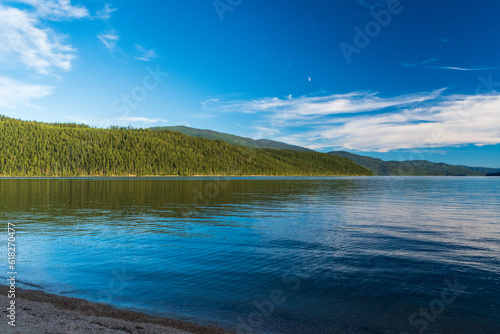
[38,312]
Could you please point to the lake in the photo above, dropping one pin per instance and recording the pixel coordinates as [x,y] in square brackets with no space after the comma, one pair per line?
[269,255]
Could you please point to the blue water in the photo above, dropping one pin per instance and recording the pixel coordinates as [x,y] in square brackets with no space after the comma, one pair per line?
[269,255]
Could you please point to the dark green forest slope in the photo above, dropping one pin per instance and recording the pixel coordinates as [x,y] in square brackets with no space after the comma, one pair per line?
[41,149]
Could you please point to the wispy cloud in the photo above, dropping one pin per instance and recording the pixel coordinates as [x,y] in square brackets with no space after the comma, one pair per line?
[135,121]
[422,63]
[454,68]
[145,55]
[24,40]
[365,122]
[14,94]
[56,10]
[458,120]
[265,132]
[426,63]
[290,108]
[109,39]
[105,13]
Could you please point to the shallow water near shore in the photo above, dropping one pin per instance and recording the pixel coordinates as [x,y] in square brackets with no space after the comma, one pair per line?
[268,255]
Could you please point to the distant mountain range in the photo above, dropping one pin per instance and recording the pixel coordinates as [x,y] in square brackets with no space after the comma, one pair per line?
[414,167]
[377,166]
[232,139]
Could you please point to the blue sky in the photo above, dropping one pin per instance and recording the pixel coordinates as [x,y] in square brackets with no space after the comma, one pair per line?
[391,79]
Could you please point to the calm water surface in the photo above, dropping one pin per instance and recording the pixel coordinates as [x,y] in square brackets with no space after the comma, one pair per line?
[269,255]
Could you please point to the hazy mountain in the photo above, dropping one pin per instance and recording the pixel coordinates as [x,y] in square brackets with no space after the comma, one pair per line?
[484,170]
[414,167]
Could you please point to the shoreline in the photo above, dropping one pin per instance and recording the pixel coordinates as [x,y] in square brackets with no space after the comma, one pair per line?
[179,177]
[169,176]
[239,176]
[41,312]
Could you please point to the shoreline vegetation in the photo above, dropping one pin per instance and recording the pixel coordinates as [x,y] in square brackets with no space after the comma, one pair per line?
[35,149]
[41,312]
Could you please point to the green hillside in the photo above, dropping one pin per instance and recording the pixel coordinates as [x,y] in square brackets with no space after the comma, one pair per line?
[41,149]
[413,167]
[232,139]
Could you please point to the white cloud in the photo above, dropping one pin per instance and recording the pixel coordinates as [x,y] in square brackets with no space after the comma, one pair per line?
[105,13]
[56,10]
[109,40]
[426,63]
[458,120]
[365,122]
[24,40]
[290,108]
[15,94]
[118,121]
[132,119]
[454,68]
[265,132]
[145,55]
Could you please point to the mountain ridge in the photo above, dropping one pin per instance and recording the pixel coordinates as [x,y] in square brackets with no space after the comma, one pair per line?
[414,167]
[232,139]
[377,166]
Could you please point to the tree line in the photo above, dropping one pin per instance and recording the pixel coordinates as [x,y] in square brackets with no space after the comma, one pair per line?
[29,148]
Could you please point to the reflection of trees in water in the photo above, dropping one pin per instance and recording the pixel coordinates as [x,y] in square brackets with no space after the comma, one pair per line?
[172,198]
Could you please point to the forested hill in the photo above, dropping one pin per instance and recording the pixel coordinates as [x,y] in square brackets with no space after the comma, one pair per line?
[41,149]
[232,139]
[413,167]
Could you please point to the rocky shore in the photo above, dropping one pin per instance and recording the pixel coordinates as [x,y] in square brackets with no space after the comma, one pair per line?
[38,312]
